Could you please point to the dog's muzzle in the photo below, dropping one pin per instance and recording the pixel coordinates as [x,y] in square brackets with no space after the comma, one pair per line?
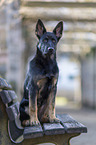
[51,49]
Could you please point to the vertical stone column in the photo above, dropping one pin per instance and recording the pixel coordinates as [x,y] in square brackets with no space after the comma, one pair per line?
[94,78]
[15,45]
[87,80]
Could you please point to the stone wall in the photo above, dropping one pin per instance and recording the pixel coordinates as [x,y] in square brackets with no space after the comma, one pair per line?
[12,44]
[88,79]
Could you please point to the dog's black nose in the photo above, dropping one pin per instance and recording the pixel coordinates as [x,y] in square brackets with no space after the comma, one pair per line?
[50,49]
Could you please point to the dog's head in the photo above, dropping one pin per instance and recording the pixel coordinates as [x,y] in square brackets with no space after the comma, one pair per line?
[48,40]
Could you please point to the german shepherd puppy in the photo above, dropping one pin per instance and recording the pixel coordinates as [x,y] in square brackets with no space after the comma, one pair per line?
[38,103]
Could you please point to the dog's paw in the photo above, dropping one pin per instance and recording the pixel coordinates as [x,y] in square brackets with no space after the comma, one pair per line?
[47,119]
[54,120]
[34,122]
[26,123]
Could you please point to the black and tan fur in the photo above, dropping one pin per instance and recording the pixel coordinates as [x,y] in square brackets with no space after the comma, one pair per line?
[38,103]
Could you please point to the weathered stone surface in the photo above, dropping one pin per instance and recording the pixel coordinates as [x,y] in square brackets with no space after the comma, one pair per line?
[8,96]
[53,128]
[16,134]
[71,125]
[33,131]
[4,84]
[13,111]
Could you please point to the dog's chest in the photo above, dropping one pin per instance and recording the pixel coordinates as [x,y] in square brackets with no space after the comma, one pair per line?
[46,85]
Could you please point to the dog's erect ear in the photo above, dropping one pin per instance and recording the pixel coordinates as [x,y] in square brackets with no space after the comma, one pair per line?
[58,30]
[40,29]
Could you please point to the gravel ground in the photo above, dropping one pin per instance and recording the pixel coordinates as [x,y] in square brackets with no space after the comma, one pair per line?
[88,118]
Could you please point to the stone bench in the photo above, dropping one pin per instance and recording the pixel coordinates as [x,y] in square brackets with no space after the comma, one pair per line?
[57,133]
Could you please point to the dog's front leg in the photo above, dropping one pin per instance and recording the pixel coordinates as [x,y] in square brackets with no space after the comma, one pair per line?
[49,108]
[33,106]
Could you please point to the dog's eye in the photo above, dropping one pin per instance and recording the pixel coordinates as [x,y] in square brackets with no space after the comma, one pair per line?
[53,40]
[45,40]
